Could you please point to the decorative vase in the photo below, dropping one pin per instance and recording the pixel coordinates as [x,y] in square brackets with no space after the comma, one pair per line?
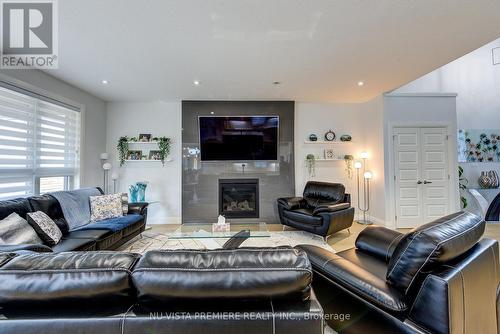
[484,180]
[345,138]
[313,137]
[138,192]
[494,179]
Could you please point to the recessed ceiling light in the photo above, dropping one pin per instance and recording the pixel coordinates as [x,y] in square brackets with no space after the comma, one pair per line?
[104,82]
[196,82]
[361,83]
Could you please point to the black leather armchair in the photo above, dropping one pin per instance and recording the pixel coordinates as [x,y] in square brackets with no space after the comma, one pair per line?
[440,278]
[324,209]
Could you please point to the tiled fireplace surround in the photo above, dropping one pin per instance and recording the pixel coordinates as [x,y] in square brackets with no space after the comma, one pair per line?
[200,180]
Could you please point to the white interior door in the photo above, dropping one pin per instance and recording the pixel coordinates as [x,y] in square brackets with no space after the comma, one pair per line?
[421,175]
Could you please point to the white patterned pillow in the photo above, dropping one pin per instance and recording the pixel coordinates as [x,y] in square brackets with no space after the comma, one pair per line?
[105,207]
[45,227]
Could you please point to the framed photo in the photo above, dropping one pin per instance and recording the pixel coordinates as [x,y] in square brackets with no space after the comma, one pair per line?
[144,137]
[135,155]
[154,155]
[329,154]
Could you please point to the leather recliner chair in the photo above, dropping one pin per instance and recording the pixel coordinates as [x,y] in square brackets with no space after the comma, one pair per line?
[440,278]
[324,209]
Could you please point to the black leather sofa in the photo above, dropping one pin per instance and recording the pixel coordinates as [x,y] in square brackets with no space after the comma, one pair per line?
[324,209]
[263,291]
[439,278]
[91,238]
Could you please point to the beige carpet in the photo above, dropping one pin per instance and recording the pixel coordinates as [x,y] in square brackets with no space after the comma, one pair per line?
[155,240]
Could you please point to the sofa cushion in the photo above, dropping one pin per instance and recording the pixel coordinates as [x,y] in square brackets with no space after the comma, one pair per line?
[431,244]
[19,206]
[303,216]
[67,278]
[113,224]
[15,230]
[6,257]
[48,204]
[319,193]
[45,227]
[355,279]
[105,207]
[67,245]
[104,239]
[244,273]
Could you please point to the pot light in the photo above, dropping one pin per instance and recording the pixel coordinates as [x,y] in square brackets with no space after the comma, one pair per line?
[361,83]
[196,82]
[104,82]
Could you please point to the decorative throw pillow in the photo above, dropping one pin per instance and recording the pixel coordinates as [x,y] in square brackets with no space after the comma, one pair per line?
[45,227]
[15,230]
[124,203]
[105,207]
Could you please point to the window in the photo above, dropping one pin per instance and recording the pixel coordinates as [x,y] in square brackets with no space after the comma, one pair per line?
[39,145]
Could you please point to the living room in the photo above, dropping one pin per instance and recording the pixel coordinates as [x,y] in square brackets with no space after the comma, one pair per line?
[249,166]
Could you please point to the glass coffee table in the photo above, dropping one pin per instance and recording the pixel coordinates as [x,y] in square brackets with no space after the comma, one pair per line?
[196,231]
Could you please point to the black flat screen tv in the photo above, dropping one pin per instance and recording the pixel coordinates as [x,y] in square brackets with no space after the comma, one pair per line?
[231,138]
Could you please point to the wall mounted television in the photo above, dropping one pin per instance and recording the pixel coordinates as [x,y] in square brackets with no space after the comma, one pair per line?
[239,138]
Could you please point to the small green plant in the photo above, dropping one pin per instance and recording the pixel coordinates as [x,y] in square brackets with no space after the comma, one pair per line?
[311,165]
[462,185]
[164,146]
[122,149]
[348,164]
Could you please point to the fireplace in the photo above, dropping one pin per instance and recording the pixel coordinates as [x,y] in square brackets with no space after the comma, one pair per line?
[239,198]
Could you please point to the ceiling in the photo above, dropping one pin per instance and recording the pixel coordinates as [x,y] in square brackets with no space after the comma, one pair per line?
[318,50]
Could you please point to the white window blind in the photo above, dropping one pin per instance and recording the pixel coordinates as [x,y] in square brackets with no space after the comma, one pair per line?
[38,139]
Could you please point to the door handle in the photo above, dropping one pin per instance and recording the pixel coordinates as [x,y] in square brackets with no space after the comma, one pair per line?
[427,182]
[419,182]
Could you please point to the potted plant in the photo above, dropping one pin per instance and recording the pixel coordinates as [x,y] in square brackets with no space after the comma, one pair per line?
[348,164]
[122,147]
[462,185]
[164,146]
[311,165]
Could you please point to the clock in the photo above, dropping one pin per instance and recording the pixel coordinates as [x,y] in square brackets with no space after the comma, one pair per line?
[330,136]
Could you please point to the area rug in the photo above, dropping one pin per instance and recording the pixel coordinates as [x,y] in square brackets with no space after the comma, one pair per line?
[154,240]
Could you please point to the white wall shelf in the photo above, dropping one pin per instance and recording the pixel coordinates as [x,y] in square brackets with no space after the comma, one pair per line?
[143,142]
[331,160]
[148,160]
[325,142]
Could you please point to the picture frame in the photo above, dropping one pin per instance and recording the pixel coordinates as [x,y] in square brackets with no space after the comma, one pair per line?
[144,137]
[134,155]
[154,155]
[329,154]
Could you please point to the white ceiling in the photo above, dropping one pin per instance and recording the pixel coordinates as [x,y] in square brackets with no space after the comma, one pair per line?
[318,50]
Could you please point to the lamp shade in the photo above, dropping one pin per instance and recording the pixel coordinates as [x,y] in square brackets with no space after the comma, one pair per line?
[114,176]
[358,165]
[106,166]
[363,155]
[104,156]
[368,175]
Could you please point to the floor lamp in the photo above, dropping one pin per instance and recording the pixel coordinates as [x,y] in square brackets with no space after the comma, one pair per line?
[367,176]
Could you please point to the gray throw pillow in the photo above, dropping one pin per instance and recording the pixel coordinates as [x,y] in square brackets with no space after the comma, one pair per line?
[45,227]
[15,230]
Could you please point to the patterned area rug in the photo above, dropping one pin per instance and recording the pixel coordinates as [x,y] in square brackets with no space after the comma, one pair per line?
[154,240]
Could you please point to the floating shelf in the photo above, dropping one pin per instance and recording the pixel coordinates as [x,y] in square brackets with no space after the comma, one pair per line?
[324,142]
[322,159]
[143,142]
[148,160]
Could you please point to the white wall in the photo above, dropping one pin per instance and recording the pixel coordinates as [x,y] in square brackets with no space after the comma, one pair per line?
[159,119]
[477,83]
[363,121]
[93,122]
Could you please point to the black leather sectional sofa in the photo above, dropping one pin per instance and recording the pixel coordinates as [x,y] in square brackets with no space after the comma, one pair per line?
[89,238]
[261,291]
[440,278]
